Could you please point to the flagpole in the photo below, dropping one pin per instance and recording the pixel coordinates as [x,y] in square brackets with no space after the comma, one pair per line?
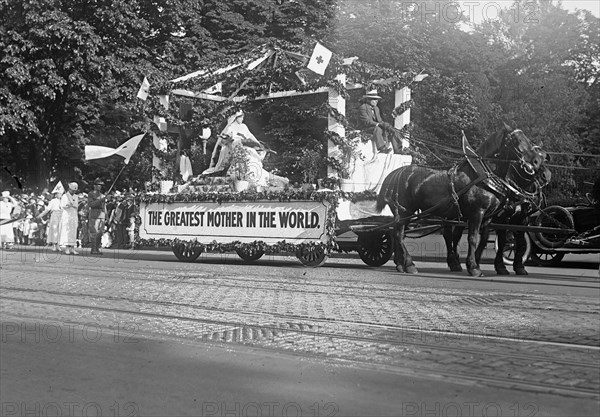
[116,178]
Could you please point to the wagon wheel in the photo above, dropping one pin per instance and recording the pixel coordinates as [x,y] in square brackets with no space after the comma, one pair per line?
[312,256]
[375,248]
[508,252]
[554,216]
[186,253]
[547,258]
[250,254]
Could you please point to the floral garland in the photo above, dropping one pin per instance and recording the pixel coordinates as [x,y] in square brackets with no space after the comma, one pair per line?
[331,197]
[216,247]
[402,108]
[278,73]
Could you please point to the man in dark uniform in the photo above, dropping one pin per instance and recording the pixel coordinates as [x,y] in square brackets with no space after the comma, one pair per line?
[371,121]
[97,216]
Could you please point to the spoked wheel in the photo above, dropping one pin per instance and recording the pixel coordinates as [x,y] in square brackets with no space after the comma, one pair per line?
[312,256]
[558,217]
[508,252]
[250,254]
[375,248]
[186,253]
[547,259]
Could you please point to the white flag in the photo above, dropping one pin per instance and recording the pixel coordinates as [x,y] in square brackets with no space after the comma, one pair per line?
[420,77]
[161,122]
[126,150]
[143,91]
[319,59]
[58,188]
[349,61]
[260,60]
[98,152]
[217,88]
[164,100]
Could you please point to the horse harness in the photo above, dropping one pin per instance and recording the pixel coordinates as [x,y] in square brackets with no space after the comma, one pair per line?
[502,188]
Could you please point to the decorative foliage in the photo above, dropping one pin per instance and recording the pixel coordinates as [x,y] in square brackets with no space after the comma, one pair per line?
[331,197]
[250,196]
[309,163]
[239,163]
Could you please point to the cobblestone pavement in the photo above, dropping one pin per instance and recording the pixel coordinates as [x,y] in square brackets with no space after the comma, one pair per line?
[495,335]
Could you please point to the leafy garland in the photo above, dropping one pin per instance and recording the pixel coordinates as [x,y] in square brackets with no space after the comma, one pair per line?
[280,72]
[402,107]
[331,197]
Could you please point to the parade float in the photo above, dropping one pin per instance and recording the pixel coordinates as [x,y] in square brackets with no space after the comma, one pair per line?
[193,214]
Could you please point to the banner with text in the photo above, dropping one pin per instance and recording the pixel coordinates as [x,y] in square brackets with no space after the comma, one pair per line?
[267,221]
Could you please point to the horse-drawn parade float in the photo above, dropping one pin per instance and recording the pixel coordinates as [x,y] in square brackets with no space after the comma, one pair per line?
[368,199]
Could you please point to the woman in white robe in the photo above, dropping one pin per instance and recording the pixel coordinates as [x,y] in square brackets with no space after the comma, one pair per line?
[54,223]
[67,235]
[7,205]
[236,133]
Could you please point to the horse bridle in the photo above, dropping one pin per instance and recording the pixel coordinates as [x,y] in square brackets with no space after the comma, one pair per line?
[525,170]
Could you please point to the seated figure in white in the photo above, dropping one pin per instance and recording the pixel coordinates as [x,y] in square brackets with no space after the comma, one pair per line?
[236,133]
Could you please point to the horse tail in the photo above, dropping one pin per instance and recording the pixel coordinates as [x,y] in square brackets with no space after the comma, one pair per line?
[389,189]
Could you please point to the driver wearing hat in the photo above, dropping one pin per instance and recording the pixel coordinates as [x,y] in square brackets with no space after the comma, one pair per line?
[371,121]
[97,216]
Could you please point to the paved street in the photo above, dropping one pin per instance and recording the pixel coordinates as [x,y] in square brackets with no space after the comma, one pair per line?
[138,333]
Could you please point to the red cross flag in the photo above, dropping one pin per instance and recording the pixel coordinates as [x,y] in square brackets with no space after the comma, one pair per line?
[319,59]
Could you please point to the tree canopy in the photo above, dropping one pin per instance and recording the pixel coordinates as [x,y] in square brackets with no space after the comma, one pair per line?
[70,71]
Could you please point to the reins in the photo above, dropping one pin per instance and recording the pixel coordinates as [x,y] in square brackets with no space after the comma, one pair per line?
[494,181]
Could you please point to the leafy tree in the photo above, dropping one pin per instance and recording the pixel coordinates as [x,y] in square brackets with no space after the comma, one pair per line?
[549,78]
[66,62]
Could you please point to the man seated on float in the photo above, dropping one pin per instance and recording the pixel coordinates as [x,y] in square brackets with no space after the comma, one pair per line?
[383,137]
[236,133]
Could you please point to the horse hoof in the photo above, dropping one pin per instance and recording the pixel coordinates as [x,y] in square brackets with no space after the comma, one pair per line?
[521,271]
[502,271]
[411,269]
[455,268]
[400,269]
[476,272]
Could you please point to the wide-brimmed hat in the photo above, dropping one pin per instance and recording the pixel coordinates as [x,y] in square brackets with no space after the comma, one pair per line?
[73,186]
[5,193]
[372,94]
[98,181]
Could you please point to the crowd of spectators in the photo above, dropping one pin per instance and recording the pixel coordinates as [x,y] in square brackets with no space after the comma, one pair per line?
[33,219]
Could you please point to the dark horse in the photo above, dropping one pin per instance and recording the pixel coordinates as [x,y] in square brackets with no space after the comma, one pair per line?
[468,191]
[525,197]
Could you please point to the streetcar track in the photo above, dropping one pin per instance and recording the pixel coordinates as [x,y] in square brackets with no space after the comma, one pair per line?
[213,258]
[327,321]
[381,336]
[535,385]
[334,281]
[233,310]
[335,290]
